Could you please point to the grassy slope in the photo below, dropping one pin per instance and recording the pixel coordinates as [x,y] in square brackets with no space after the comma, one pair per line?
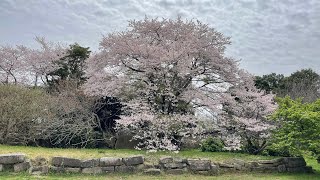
[32,152]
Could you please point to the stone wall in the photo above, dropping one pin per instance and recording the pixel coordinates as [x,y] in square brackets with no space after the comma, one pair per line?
[137,164]
[15,162]
[285,164]
[97,166]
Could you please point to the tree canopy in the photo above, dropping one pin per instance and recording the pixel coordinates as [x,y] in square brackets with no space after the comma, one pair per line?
[71,67]
[164,70]
[299,127]
[300,84]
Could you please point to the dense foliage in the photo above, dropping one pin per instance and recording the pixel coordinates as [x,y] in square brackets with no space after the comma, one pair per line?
[270,83]
[299,127]
[212,145]
[300,84]
[21,111]
[71,67]
[246,112]
[32,116]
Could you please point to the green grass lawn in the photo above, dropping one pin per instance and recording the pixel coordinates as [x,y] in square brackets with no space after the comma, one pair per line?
[33,152]
[234,176]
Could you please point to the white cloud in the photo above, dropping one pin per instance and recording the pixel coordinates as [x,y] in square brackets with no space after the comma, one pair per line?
[268,35]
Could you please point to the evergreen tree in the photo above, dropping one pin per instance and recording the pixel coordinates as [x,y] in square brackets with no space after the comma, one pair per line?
[71,66]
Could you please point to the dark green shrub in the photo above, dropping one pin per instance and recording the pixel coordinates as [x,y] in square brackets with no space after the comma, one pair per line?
[279,151]
[212,145]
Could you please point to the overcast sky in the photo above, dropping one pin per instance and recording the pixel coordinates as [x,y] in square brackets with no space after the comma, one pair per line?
[279,36]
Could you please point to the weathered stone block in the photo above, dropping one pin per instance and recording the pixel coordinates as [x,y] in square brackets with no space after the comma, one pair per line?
[174,165]
[226,165]
[12,158]
[294,162]
[238,167]
[39,161]
[57,169]
[275,162]
[35,168]
[268,165]
[1,167]
[110,161]
[152,171]
[179,160]
[251,164]
[282,168]
[72,170]
[38,170]
[142,167]
[165,159]
[108,169]
[125,169]
[248,165]
[90,163]
[199,165]
[93,170]
[239,162]
[66,162]
[148,165]
[214,169]
[265,169]
[24,166]
[134,160]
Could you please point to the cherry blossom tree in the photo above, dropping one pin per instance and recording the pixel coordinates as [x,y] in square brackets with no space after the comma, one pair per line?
[43,61]
[13,61]
[166,67]
[246,110]
[20,64]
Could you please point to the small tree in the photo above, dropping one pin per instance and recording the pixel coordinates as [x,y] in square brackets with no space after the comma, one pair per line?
[246,110]
[71,66]
[43,61]
[13,62]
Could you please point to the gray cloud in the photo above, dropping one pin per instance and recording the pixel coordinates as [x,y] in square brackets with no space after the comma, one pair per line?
[267,35]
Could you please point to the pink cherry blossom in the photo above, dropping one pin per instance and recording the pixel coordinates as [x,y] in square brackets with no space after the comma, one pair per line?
[156,66]
[246,109]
